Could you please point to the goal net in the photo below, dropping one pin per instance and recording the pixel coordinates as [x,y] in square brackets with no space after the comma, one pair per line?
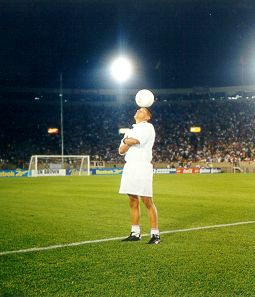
[58,165]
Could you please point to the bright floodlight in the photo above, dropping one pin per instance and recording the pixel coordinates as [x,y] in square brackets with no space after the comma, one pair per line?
[121,69]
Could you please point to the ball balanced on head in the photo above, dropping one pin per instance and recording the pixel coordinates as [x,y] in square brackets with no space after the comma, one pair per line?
[144,98]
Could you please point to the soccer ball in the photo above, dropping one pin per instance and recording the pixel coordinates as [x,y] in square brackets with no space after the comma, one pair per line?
[144,98]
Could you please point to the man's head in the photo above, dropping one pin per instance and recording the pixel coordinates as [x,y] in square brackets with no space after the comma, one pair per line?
[143,114]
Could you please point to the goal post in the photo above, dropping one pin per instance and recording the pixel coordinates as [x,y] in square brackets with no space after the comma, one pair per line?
[59,165]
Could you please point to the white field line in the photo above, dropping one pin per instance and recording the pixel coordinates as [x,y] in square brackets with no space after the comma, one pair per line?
[58,246]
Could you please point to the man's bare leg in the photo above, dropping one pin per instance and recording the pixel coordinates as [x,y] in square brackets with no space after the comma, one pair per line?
[152,211]
[153,217]
[134,206]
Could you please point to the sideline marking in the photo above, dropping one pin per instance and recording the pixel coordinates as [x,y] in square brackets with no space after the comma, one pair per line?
[58,246]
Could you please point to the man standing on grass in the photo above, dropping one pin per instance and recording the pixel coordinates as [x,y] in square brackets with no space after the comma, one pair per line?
[137,174]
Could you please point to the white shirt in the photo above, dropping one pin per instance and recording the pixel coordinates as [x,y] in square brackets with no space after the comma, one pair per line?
[144,132]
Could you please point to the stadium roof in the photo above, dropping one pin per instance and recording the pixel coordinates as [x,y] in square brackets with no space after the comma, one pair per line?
[228,90]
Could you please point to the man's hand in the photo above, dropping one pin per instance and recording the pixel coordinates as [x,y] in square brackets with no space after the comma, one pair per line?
[128,142]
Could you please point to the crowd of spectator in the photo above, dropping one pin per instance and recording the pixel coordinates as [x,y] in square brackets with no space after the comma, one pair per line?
[92,128]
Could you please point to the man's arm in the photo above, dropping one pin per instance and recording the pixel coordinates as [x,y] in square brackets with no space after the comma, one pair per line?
[127,143]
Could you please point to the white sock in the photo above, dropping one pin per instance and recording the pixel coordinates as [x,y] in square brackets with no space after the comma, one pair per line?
[136,230]
[154,232]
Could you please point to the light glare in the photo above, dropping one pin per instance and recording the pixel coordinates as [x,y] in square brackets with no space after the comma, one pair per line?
[121,69]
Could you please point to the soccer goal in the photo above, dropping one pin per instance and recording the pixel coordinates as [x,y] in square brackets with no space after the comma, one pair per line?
[58,165]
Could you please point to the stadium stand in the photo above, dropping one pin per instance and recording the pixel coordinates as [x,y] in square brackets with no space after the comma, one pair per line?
[228,129]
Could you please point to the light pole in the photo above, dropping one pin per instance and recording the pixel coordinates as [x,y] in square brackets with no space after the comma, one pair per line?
[61,115]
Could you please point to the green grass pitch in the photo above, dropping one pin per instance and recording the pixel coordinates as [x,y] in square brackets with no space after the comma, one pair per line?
[38,212]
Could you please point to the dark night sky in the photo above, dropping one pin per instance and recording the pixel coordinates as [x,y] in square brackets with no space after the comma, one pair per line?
[174,43]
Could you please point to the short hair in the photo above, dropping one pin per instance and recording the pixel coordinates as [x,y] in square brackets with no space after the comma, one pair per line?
[149,112]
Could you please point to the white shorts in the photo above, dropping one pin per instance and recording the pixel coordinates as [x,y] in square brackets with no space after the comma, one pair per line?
[137,179]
